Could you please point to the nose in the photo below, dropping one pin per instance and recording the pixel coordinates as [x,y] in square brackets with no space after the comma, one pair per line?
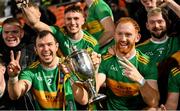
[72,21]
[46,47]
[156,24]
[123,37]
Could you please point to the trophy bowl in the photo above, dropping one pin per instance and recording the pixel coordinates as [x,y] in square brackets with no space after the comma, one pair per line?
[82,66]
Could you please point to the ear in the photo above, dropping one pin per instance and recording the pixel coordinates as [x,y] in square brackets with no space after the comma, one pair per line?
[138,37]
[57,46]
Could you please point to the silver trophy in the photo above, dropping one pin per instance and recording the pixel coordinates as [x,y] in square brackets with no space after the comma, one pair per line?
[81,65]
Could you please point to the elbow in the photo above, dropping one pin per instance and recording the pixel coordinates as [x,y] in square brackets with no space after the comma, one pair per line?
[155,101]
[13,97]
[84,101]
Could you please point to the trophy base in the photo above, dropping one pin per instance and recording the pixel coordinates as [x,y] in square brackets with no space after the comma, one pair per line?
[97,98]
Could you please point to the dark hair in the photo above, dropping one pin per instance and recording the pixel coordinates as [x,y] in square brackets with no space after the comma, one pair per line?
[43,33]
[73,8]
[13,21]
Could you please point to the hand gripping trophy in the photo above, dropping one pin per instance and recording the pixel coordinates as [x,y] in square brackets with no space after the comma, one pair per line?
[81,65]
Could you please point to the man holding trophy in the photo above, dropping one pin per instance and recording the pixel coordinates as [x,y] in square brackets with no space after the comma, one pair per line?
[48,78]
[71,35]
[130,76]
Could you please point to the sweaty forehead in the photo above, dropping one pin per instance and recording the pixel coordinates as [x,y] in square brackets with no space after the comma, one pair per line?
[125,26]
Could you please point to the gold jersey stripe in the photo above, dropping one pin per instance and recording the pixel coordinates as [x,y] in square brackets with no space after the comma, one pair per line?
[107,56]
[90,39]
[175,71]
[34,64]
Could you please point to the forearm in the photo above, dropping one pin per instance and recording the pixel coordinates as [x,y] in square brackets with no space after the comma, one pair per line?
[109,28]
[150,95]
[80,94]
[105,38]
[14,88]
[2,87]
[40,26]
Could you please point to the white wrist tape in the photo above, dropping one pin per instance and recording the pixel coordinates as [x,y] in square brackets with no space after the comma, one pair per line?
[1,94]
[142,81]
[13,80]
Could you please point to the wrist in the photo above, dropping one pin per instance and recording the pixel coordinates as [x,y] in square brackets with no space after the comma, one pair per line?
[13,80]
[142,81]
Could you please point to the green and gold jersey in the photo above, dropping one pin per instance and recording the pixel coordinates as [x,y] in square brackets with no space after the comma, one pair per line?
[98,11]
[51,88]
[159,51]
[65,43]
[174,80]
[123,93]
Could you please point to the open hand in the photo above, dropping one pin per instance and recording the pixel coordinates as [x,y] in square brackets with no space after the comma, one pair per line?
[14,68]
[130,70]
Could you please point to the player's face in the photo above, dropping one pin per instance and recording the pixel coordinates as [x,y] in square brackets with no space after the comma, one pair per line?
[73,22]
[12,35]
[46,49]
[125,36]
[149,4]
[157,25]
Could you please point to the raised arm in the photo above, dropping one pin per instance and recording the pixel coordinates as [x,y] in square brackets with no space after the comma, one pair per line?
[32,15]
[172,5]
[16,88]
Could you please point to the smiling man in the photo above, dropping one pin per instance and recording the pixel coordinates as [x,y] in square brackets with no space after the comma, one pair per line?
[130,75]
[70,35]
[47,78]
[13,39]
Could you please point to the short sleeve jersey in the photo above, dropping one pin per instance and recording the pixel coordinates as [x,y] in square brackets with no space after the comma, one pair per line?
[65,43]
[160,51]
[174,80]
[123,93]
[98,11]
[44,86]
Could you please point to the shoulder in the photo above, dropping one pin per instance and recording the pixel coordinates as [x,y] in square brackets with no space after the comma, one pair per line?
[146,42]
[175,71]
[34,65]
[142,58]
[89,38]
[107,56]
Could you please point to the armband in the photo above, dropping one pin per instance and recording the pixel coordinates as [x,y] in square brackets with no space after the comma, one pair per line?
[1,94]
[13,80]
[142,81]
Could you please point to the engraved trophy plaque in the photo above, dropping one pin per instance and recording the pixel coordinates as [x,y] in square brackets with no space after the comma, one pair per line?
[81,64]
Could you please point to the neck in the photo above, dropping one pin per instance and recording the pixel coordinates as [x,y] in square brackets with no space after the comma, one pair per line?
[51,65]
[77,36]
[128,55]
[159,39]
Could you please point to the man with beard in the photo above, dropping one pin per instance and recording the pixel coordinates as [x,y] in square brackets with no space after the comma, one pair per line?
[47,78]
[130,75]
[160,46]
